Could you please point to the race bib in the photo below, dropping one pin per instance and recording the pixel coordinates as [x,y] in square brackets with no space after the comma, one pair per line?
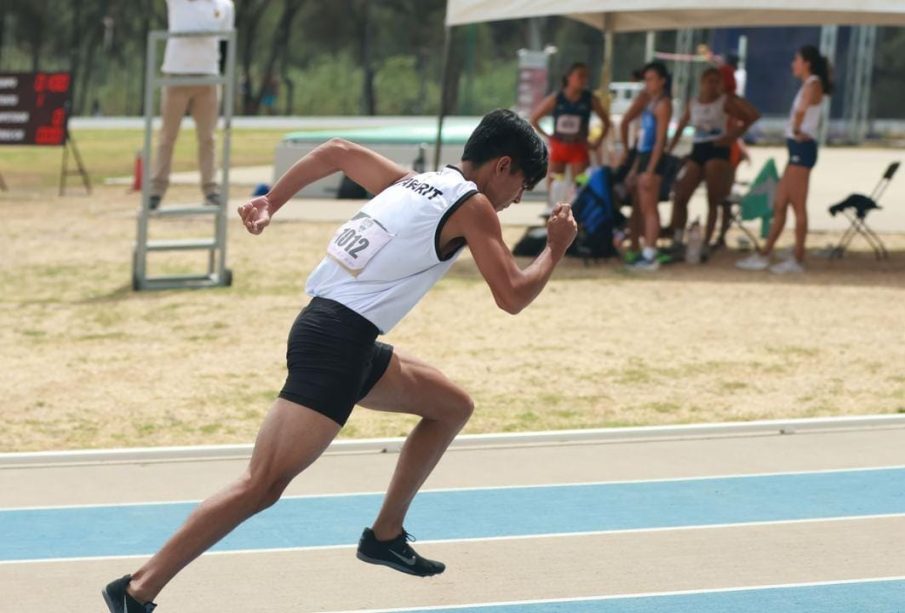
[356,242]
[568,125]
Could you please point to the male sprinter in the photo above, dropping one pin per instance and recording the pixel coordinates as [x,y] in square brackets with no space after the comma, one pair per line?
[378,266]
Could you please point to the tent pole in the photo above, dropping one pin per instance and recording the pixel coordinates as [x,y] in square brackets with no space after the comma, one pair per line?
[650,46]
[606,72]
[828,39]
[444,94]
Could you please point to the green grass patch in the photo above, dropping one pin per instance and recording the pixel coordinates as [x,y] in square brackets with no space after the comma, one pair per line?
[111,153]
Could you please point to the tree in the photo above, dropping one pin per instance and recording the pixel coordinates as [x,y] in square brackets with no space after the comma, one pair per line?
[248,18]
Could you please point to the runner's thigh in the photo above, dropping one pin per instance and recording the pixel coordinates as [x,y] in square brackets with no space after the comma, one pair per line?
[291,438]
[410,385]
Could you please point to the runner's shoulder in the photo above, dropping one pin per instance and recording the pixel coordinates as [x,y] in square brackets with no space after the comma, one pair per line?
[475,210]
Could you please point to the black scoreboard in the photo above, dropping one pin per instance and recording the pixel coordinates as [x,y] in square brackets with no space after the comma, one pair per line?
[34,108]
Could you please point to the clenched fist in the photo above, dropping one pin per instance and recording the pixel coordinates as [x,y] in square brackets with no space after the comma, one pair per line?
[561,228]
[255,214]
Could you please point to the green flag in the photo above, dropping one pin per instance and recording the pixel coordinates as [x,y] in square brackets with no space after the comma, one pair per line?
[758,202]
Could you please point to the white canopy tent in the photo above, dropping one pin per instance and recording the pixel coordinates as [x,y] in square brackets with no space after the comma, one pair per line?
[611,16]
[642,15]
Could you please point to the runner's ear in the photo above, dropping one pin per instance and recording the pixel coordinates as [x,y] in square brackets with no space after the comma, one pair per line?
[504,165]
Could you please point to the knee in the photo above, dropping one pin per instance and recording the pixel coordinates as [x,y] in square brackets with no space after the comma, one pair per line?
[461,409]
[261,491]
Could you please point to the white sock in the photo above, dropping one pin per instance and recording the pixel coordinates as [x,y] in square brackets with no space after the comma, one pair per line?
[649,253]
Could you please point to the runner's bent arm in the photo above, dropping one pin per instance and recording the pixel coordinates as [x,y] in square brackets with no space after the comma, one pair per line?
[513,288]
[371,170]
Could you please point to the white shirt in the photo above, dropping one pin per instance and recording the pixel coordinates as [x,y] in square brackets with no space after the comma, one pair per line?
[196,55]
[708,119]
[386,258]
[810,123]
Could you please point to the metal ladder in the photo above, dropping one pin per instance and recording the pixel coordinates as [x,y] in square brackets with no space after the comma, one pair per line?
[218,275]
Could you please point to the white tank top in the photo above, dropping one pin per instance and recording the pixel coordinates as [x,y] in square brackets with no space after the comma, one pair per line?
[811,122]
[708,119]
[382,261]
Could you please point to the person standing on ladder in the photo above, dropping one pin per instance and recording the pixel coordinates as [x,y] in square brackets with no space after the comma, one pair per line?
[184,57]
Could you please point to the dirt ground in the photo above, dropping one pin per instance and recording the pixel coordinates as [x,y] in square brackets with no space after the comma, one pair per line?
[85,362]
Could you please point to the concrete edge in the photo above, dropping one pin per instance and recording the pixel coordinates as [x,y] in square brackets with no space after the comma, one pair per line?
[393,445]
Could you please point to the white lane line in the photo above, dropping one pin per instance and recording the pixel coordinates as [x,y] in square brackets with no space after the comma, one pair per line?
[473,441]
[486,488]
[489,539]
[775,586]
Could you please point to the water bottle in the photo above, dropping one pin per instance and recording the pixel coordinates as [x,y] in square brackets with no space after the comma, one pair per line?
[695,242]
[558,188]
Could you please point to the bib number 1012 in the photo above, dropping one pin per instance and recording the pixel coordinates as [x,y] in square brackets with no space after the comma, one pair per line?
[352,242]
[356,242]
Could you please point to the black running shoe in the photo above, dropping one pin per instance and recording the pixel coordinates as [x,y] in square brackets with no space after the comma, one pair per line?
[120,601]
[397,554]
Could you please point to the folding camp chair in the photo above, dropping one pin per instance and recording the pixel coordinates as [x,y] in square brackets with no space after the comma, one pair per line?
[855,208]
[757,203]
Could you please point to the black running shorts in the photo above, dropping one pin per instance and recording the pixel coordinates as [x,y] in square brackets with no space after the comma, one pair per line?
[701,153]
[334,359]
[644,162]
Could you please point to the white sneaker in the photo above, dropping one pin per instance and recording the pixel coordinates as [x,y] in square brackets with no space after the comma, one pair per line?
[755,261]
[645,265]
[790,266]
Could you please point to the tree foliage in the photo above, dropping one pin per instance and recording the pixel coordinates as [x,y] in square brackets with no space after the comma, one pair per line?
[333,57]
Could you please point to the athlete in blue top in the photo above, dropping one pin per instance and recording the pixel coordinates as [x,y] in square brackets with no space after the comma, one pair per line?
[654,106]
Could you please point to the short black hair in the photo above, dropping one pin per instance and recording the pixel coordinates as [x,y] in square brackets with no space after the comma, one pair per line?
[502,132]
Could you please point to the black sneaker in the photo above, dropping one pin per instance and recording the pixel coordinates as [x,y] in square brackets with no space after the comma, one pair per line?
[212,199]
[397,554]
[120,601]
[154,203]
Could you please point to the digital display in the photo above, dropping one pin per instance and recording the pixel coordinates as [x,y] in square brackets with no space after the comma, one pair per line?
[34,108]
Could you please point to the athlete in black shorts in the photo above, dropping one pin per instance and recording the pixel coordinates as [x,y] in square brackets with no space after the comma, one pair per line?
[379,264]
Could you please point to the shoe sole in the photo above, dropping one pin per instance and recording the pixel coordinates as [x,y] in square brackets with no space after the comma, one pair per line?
[644,268]
[752,269]
[403,569]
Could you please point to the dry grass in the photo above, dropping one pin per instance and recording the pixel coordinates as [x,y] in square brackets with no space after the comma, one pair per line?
[85,362]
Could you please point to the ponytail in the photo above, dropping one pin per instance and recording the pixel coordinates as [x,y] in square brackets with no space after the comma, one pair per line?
[819,65]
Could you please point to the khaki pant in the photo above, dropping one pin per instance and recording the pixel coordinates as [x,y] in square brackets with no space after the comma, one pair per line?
[174,101]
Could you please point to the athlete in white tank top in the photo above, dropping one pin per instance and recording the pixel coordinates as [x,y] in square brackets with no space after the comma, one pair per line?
[382,261]
[810,124]
[379,263]
[708,119]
